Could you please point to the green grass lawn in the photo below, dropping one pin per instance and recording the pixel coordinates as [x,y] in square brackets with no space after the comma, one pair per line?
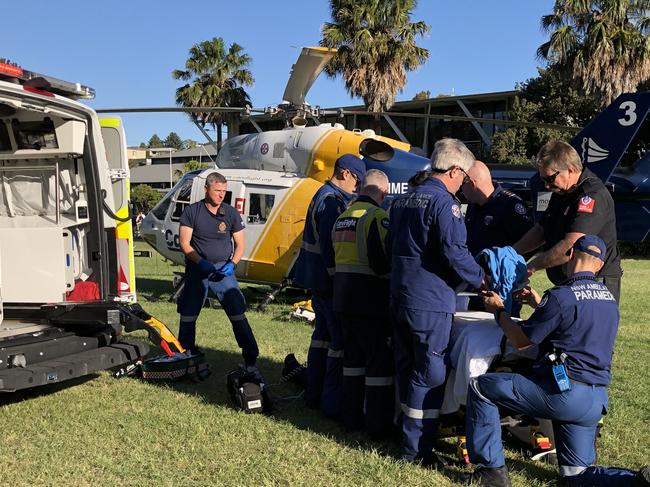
[106,431]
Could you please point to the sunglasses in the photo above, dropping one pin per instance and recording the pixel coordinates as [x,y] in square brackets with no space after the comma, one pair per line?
[466,178]
[550,179]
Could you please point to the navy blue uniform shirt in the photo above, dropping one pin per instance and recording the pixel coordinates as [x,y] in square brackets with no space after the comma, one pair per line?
[501,221]
[212,234]
[580,318]
[314,266]
[429,253]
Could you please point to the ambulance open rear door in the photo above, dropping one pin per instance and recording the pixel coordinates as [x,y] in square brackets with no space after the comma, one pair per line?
[115,144]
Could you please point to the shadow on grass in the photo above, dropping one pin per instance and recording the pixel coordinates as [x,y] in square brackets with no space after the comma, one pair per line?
[8,398]
[154,289]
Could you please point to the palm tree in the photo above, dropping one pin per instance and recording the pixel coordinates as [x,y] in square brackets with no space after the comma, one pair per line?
[216,78]
[601,45]
[376,43]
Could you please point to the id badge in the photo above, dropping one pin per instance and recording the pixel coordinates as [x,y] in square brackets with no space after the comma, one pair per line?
[561,378]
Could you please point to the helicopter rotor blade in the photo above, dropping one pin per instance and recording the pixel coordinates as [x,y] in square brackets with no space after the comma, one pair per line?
[304,72]
[242,110]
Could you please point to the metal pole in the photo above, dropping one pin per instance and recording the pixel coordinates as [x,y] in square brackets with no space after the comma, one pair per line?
[171,185]
[57,192]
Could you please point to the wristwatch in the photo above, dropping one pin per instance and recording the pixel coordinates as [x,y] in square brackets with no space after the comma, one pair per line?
[497,314]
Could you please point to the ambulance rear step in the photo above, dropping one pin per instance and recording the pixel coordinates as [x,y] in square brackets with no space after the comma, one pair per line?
[71,366]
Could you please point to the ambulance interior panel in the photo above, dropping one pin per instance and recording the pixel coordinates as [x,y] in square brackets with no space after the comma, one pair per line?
[31,265]
[43,205]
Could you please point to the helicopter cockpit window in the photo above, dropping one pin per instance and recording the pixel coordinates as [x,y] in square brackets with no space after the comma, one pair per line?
[260,206]
[637,149]
[182,199]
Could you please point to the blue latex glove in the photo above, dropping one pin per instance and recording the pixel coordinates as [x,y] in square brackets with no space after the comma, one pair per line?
[228,269]
[206,267]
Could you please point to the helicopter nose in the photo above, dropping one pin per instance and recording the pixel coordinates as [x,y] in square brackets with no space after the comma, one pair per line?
[149,228]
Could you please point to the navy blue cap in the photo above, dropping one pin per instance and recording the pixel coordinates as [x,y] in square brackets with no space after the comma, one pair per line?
[353,164]
[586,241]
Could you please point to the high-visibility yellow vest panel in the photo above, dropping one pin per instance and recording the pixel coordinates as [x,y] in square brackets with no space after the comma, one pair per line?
[350,236]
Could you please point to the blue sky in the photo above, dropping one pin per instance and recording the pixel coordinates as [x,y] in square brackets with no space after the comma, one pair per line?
[127,50]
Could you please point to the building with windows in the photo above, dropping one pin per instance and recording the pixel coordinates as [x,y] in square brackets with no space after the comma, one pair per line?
[163,167]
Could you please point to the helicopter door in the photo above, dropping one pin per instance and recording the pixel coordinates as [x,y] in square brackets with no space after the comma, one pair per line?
[260,201]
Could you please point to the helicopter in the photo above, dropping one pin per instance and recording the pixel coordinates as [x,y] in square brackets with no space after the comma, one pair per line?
[273,175]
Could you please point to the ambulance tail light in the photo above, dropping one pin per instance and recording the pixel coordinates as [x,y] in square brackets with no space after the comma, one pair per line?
[124,290]
[240,204]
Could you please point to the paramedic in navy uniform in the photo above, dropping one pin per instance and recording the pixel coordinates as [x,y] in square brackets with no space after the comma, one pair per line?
[430,261]
[495,217]
[580,204]
[208,229]
[577,322]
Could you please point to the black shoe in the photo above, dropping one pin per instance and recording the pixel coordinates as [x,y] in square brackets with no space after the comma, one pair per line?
[489,477]
[642,478]
[293,371]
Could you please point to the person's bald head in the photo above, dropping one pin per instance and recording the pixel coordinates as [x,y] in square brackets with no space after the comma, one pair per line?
[479,172]
[479,187]
[375,185]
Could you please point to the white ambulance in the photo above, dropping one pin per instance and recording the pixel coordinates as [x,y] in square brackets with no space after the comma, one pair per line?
[67,286]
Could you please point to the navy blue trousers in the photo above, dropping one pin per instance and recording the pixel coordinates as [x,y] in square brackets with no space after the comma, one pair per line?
[368,370]
[575,415]
[325,359]
[232,301]
[421,339]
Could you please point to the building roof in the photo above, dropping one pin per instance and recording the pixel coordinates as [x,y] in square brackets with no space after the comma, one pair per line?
[203,151]
[154,173]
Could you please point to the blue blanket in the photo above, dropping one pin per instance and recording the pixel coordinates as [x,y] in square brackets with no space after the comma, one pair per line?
[507,271]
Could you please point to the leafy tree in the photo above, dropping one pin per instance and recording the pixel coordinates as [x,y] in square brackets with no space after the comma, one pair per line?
[155,142]
[547,98]
[144,197]
[376,43]
[193,165]
[601,45]
[173,140]
[189,144]
[216,77]
[422,95]
[143,145]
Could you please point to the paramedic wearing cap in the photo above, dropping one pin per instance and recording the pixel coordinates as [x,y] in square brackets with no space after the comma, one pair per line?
[361,296]
[580,204]
[208,229]
[314,270]
[429,262]
[574,325]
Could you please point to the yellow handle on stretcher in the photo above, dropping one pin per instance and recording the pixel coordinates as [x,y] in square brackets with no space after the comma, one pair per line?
[165,333]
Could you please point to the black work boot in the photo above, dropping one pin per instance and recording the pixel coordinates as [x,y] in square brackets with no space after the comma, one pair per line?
[490,477]
[642,478]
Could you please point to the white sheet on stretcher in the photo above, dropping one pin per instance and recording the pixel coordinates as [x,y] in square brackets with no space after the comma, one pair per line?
[475,342]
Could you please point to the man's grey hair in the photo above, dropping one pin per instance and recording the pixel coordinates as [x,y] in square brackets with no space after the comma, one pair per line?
[215,177]
[558,156]
[375,177]
[448,153]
